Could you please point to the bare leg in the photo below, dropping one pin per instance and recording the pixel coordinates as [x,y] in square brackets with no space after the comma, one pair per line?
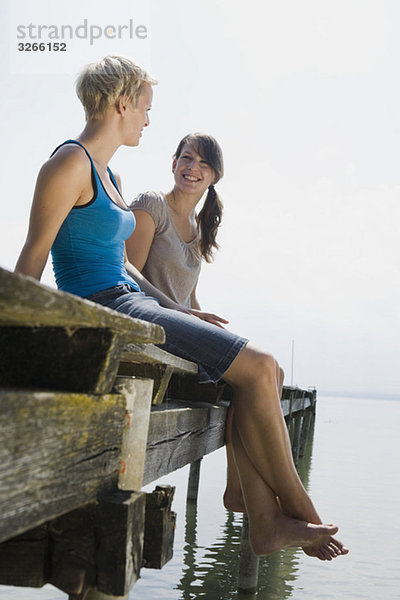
[270,529]
[233,496]
[263,433]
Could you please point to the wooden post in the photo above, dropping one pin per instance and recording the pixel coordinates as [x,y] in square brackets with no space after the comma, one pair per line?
[94,594]
[248,562]
[137,393]
[298,422]
[305,430]
[99,547]
[120,531]
[193,481]
[159,527]
[289,417]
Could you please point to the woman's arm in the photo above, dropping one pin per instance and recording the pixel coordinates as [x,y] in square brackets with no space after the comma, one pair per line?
[139,244]
[165,301]
[59,186]
[195,308]
[194,303]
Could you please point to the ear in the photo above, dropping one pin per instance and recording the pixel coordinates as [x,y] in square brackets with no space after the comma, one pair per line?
[174,165]
[121,105]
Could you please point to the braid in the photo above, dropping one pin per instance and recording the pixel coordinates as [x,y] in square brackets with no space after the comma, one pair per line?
[208,220]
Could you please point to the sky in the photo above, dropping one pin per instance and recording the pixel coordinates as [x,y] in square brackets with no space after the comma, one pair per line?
[304,99]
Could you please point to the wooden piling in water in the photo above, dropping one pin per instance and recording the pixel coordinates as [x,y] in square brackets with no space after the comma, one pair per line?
[248,562]
[94,594]
[193,481]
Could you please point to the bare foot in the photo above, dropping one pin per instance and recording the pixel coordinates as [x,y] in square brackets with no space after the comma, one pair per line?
[283,532]
[233,500]
[331,549]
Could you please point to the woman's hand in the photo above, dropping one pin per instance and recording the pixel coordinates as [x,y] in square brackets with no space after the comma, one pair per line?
[209,317]
[165,301]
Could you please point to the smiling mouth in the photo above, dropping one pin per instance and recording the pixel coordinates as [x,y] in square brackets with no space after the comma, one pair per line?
[191,178]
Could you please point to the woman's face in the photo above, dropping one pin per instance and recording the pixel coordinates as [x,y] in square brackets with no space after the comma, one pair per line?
[192,173]
[138,115]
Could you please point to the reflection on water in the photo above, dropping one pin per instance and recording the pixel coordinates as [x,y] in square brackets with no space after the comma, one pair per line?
[215,572]
[212,572]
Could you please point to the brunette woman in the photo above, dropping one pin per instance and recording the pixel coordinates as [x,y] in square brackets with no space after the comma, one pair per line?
[78,213]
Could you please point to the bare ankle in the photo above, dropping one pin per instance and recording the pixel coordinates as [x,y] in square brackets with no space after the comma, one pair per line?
[233,501]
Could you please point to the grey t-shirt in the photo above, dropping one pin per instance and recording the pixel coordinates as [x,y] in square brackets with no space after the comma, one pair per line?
[173,265]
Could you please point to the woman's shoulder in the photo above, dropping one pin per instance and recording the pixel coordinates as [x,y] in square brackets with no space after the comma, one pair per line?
[154,203]
[150,201]
[66,161]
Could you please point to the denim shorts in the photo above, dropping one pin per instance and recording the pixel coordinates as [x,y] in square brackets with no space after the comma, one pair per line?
[211,347]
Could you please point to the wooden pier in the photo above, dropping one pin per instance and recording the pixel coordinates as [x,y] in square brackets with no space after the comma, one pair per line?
[90,411]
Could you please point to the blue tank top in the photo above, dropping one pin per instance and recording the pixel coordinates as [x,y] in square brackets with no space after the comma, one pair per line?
[88,252]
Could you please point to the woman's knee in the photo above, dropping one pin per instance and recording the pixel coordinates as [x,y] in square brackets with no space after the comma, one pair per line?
[253,365]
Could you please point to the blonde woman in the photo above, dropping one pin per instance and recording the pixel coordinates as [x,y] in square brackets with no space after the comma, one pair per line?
[78,213]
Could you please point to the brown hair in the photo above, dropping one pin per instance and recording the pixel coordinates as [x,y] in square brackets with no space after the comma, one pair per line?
[209,218]
[101,84]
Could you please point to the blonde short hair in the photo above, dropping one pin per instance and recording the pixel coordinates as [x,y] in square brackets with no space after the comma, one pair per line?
[101,84]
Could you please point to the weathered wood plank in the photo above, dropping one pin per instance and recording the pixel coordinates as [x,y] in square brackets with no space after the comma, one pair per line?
[188,389]
[81,360]
[25,560]
[58,450]
[150,354]
[180,434]
[25,301]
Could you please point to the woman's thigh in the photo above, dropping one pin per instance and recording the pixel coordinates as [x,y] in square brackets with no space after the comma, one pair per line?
[211,347]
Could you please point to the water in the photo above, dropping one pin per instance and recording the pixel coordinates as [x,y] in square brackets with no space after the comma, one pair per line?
[353,477]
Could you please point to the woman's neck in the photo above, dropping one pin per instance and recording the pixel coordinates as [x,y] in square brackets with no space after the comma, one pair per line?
[100,141]
[181,204]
